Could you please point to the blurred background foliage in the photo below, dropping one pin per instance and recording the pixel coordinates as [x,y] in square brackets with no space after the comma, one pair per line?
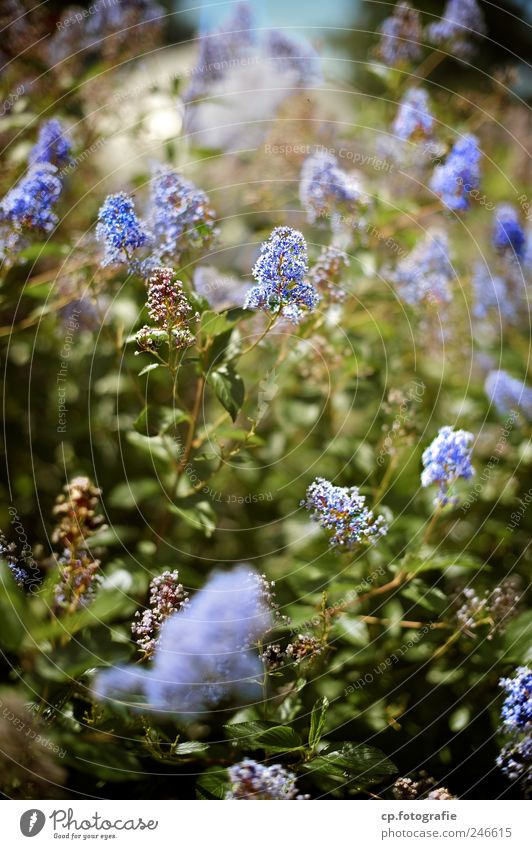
[326,410]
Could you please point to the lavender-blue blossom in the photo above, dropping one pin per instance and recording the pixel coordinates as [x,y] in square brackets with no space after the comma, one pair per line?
[295,55]
[401,35]
[425,274]
[516,711]
[251,780]
[515,758]
[325,189]
[447,459]
[205,657]
[280,274]
[413,118]
[461,20]
[508,235]
[493,295]
[52,145]
[342,510]
[459,175]
[119,229]
[508,393]
[221,49]
[29,204]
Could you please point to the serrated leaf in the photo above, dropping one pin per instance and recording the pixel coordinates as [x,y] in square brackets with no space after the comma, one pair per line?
[191,747]
[360,763]
[264,735]
[213,784]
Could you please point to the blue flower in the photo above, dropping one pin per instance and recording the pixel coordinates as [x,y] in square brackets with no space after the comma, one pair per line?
[401,35]
[280,271]
[325,188]
[294,55]
[204,656]
[52,145]
[119,229]
[447,459]
[179,215]
[507,393]
[252,780]
[459,175]
[515,758]
[508,235]
[343,510]
[8,552]
[425,275]
[461,20]
[517,708]
[413,117]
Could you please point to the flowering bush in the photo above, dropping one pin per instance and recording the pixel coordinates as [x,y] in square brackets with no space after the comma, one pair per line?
[267,414]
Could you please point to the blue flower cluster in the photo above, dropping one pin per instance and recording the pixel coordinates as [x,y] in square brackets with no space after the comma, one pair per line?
[343,510]
[401,36]
[252,780]
[294,55]
[280,274]
[447,459]
[413,119]
[459,175]
[28,207]
[220,47]
[8,552]
[508,234]
[492,293]
[119,229]
[52,145]
[425,275]
[515,758]
[507,393]
[179,214]
[517,708]
[461,19]
[326,190]
[204,657]
[105,30]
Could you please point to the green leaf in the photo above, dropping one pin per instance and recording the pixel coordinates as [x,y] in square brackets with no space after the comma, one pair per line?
[317,721]
[95,753]
[518,639]
[154,420]
[229,389]
[213,324]
[155,447]
[213,784]
[264,735]
[191,747]
[132,492]
[150,367]
[362,764]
